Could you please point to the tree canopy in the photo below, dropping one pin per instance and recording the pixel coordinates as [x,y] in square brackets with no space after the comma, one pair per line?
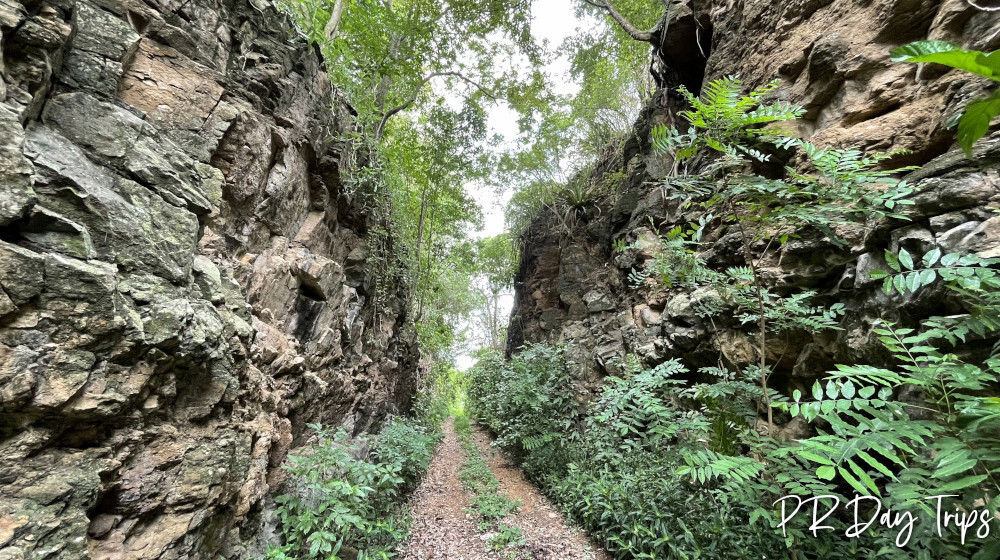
[422,76]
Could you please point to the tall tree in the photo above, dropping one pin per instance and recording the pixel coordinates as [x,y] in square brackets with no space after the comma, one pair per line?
[495,264]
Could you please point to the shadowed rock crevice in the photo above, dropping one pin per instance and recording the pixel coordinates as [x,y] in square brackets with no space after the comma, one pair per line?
[682,44]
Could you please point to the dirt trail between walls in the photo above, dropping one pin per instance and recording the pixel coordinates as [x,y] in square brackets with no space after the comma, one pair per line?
[443,529]
[549,535]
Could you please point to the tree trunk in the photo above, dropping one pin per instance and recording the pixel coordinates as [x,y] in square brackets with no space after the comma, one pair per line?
[422,278]
[420,223]
[762,322]
[333,26]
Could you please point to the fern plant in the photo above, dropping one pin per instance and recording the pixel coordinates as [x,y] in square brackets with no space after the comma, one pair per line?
[868,441]
[635,409]
[670,463]
[728,122]
[842,185]
[676,262]
[942,443]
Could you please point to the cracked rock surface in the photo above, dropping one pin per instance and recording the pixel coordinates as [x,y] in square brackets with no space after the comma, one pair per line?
[180,290]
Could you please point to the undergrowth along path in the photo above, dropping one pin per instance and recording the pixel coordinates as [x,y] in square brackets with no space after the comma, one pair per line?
[443,530]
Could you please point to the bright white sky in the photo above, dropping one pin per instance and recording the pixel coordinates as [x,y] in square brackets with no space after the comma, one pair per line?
[552,22]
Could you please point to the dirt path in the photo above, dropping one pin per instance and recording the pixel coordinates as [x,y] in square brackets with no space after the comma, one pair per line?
[442,530]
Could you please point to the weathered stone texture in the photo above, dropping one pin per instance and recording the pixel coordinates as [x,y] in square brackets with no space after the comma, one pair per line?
[182,287]
[832,57]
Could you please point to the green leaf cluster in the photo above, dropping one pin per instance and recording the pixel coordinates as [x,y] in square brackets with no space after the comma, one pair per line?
[966,273]
[613,464]
[339,501]
[506,536]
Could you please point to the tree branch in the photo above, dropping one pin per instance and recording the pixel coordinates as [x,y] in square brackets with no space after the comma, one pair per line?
[626,25]
[333,25]
[416,92]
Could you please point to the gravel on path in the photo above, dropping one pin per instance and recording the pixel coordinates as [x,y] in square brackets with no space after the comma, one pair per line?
[443,530]
[548,534]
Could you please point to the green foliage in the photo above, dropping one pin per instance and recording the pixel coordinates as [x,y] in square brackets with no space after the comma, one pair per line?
[493,507]
[407,444]
[967,273]
[506,536]
[676,262]
[525,402]
[638,508]
[383,54]
[565,137]
[660,466]
[726,121]
[339,500]
[613,465]
[867,442]
[844,183]
[419,76]
[975,122]
[841,187]
[653,478]
[941,444]
[496,264]
[440,394]
[953,449]
[488,503]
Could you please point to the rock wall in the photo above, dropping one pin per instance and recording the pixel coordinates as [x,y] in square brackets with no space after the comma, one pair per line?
[185,282]
[832,58]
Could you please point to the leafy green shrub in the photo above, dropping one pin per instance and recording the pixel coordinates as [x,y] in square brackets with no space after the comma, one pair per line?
[640,508]
[526,403]
[506,536]
[477,477]
[714,163]
[493,506]
[438,395]
[488,503]
[724,121]
[940,442]
[341,501]
[462,426]
[407,444]
[664,468]
[615,471]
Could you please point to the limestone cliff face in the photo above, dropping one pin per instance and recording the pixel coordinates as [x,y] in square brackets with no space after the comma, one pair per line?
[832,58]
[184,278]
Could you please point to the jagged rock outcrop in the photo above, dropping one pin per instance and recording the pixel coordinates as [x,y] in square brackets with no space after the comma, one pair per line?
[832,57]
[185,280]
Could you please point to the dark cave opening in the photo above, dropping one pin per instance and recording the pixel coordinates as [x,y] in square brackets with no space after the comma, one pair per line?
[681,51]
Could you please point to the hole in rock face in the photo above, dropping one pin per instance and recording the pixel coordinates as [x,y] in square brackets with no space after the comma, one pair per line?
[106,502]
[681,53]
[139,22]
[83,436]
[309,289]
[307,312]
